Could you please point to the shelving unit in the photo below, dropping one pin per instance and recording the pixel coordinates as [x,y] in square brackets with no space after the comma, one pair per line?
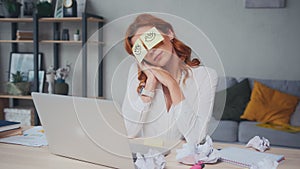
[56,23]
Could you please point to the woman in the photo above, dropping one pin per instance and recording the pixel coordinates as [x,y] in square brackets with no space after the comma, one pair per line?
[169,95]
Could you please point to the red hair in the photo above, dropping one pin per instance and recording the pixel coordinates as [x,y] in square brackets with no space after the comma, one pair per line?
[183,51]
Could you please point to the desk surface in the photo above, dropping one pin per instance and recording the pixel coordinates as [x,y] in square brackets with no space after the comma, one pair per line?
[16,156]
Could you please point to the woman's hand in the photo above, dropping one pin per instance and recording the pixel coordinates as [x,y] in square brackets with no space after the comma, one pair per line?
[165,78]
[151,82]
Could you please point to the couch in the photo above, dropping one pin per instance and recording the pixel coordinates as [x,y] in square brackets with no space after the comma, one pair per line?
[242,130]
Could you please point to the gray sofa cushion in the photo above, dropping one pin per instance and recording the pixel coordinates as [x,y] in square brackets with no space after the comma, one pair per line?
[226,131]
[219,104]
[248,130]
[287,86]
[237,97]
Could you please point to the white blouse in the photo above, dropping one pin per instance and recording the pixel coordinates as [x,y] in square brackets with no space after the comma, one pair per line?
[189,118]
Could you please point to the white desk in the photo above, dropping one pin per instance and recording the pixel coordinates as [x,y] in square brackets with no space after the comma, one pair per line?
[17,157]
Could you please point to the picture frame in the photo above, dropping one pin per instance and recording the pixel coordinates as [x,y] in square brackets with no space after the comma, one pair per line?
[22,62]
[265,3]
[41,78]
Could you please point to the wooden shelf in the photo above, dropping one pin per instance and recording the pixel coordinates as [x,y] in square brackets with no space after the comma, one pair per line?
[6,96]
[16,19]
[16,41]
[69,41]
[69,19]
[49,41]
[66,19]
[35,21]
[60,41]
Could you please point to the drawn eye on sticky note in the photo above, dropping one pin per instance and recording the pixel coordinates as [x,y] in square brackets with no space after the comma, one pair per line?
[139,51]
[151,38]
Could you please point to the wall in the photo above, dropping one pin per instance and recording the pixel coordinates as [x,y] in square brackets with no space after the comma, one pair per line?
[261,43]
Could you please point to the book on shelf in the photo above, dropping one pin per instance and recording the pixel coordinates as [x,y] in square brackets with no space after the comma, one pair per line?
[245,157]
[12,132]
[24,38]
[24,35]
[8,125]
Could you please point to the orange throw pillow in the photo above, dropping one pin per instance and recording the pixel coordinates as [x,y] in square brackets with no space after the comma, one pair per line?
[268,105]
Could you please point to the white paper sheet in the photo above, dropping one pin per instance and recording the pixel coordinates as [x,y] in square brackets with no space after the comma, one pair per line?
[192,154]
[33,137]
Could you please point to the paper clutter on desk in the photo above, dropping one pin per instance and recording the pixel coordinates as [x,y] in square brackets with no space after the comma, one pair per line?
[265,164]
[192,154]
[260,144]
[152,160]
[33,137]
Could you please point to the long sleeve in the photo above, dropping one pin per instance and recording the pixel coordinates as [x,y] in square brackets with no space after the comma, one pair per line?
[133,108]
[189,118]
[193,114]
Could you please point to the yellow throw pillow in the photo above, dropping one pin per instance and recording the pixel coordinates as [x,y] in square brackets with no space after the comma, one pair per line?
[268,105]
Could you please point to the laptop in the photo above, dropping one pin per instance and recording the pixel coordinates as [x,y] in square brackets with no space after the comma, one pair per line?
[87,129]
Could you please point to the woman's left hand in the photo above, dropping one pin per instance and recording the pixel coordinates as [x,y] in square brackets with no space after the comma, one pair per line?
[166,79]
[163,76]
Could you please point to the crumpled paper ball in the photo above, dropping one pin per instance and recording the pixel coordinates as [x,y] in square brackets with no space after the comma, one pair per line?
[191,154]
[265,164]
[260,144]
[152,160]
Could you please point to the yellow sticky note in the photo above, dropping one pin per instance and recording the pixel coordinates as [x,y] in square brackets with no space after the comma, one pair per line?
[151,38]
[154,142]
[139,51]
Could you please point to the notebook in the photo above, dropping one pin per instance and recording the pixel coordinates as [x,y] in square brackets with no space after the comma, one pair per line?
[87,129]
[246,157]
[8,125]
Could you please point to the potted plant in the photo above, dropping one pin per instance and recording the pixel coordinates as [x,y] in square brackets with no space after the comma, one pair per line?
[18,86]
[44,9]
[77,35]
[11,8]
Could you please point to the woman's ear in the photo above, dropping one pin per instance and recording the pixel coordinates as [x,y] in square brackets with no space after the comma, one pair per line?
[171,34]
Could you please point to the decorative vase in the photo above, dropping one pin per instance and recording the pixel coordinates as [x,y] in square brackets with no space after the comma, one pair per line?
[65,34]
[61,87]
[50,80]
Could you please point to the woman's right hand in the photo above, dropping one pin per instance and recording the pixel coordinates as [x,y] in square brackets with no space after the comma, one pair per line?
[151,82]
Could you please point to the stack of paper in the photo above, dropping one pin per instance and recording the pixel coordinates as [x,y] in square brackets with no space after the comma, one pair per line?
[32,137]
